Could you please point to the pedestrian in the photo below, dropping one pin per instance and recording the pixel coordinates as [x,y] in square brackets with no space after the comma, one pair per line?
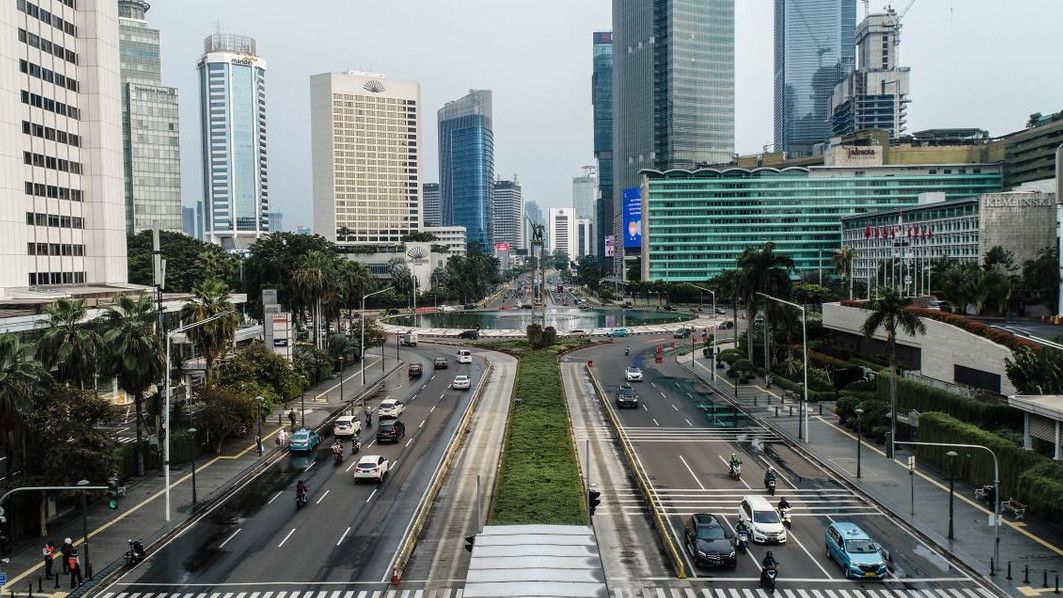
[74,564]
[291,418]
[64,551]
[49,556]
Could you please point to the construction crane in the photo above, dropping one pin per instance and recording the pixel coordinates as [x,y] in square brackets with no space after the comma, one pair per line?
[897,20]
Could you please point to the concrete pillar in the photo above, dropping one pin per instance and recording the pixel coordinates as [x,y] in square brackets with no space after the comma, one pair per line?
[1026,443]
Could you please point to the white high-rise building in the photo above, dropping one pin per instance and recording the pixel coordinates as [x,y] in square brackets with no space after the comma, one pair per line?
[585,192]
[232,83]
[562,229]
[507,213]
[366,154]
[62,219]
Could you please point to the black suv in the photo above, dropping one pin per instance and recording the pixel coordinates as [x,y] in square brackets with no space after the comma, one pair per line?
[627,397]
[470,334]
[440,363]
[710,542]
[681,333]
[390,430]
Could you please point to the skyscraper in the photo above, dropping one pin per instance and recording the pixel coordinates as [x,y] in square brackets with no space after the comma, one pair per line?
[562,232]
[433,213]
[584,202]
[673,84]
[875,95]
[366,157]
[467,165]
[276,222]
[813,51]
[188,222]
[63,216]
[507,213]
[602,101]
[232,82]
[533,215]
[149,126]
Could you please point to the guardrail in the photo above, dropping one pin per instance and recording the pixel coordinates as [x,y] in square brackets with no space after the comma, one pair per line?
[413,531]
[663,530]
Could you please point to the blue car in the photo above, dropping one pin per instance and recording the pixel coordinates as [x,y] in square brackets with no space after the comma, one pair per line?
[303,440]
[852,548]
[619,332]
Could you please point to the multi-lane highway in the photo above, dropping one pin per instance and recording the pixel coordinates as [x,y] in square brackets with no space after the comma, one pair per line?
[256,542]
[682,439]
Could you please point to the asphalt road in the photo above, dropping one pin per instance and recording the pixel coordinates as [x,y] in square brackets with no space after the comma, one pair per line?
[682,444]
[347,534]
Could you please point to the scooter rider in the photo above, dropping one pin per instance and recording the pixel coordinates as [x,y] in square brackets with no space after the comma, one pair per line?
[769,478]
[301,490]
[337,449]
[742,528]
[769,562]
[783,504]
[627,350]
[735,462]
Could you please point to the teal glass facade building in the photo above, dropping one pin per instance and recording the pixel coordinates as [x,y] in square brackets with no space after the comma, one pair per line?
[602,100]
[698,222]
[467,166]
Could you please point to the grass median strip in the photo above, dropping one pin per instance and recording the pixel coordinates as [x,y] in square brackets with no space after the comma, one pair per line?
[539,480]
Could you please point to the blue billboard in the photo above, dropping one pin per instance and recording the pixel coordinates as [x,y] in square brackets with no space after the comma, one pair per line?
[632,219]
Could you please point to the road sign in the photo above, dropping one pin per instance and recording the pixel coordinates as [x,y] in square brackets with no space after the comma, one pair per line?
[999,519]
[3,579]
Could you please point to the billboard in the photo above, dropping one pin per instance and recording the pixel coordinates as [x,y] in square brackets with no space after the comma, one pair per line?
[610,245]
[632,218]
[500,247]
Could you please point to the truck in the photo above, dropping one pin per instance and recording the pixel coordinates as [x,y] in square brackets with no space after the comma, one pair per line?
[408,339]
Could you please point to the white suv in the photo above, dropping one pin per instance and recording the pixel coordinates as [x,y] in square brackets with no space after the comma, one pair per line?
[372,467]
[633,374]
[763,520]
[347,425]
[389,408]
[464,356]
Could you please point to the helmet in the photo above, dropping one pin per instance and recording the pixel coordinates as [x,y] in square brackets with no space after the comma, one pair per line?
[732,455]
[67,541]
[768,556]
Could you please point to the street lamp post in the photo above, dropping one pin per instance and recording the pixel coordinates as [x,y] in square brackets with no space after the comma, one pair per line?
[362,346]
[859,439]
[85,528]
[802,416]
[195,446]
[693,355]
[952,486]
[166,405]
[259,400]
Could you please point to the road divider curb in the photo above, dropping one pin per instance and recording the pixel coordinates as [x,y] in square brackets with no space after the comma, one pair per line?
[663,530]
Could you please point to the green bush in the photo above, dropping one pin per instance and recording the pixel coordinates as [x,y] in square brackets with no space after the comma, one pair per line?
[863,386]
[538,478]
[729,356]
[1041,489]
[913,395]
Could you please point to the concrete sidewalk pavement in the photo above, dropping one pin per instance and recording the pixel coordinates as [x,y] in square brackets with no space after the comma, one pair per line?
[141,512]
[919,497]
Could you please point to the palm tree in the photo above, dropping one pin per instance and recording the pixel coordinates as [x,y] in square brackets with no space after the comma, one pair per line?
[211,297]
[842,258]
[20,372]
[313,279]
[71,344]
[763,271]
[136,352]
[890,312]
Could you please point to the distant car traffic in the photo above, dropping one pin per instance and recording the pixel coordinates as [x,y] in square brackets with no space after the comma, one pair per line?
[633,374]
[372,467]
[626,397]
[852,548]
[347,426]
[709,541]
[389,408]
[303,440]
[390,430]
[619,332]
[440,363]
[415,370]
[461,382]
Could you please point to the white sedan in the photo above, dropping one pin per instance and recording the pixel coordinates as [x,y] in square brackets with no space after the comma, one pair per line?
[633,374]
[461,382]
[372,467]
[389,408]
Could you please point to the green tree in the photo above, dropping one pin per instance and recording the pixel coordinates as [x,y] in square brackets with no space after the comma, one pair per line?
[211,298]
[226,411]
[71,344]
[1036,372]
[136,352]
[999,258]
[315,280]
[890,313]
[270,263]
[185,259]
[69,438]
[842,259]
[763,271]
[1040,279]
[20,374]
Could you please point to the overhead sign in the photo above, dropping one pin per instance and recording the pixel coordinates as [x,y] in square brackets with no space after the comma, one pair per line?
[632,218]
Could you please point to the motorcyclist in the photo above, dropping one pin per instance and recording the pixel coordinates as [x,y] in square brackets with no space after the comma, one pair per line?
[769,562]
[741,528]
[783,504]
[734,462]
[301,490]
[769,477]
[337,448]
[368,416]
[627,350]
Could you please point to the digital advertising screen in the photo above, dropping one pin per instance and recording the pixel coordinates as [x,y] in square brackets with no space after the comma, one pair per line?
[632,218]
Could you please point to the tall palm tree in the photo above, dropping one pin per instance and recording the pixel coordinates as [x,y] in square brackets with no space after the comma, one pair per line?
[889,311]
[210,298]
[313,277]
[20,373]
[763,271]
[136,352]
[71,344]
[842,258]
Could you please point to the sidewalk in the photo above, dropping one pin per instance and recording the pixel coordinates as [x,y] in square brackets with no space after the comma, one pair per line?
[1024,543]
[141,512]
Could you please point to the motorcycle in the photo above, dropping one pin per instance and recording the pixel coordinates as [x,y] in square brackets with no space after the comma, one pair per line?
[337,453]
[735,471]
[135,554]
[743,540]
[770,485]
[784,513]
[627,351]
[301,497]
[767,581]
[368,418]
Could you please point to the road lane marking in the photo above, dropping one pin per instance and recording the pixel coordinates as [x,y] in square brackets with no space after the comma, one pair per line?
[309,466]
[688,422]
[286,538]
[645,407]
[655,422]
[692,474]
[443,395]
[370,443]
[275,497]
[372,494]
[322,497]
[793,537]
[409,441]
[351,466]
[345,532]
[222,545]
[674,407]
[663,396]
[422,423]
[433,408]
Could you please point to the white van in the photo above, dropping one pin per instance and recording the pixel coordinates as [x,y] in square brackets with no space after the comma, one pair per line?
[765,525]
[464,356]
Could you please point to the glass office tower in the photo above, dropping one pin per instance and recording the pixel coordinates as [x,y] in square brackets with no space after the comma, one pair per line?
[232,81]
[814,50]
[467,165]
[602,101]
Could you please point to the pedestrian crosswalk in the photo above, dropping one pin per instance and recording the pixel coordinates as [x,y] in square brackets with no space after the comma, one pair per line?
[236,592]
[801,592]
[834,502]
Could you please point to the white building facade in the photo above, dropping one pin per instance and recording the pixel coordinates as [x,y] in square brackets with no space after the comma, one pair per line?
[365,131]
[451,237]
[562,227]
[232,79]
[62,212]
[507,216]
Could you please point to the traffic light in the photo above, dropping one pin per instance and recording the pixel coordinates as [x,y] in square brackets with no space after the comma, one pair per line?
[469,541]
[112,493]
[594,498]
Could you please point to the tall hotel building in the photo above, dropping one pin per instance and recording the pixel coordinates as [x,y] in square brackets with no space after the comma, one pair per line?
[366,157]
[232,81]
[61,201]
[152,153]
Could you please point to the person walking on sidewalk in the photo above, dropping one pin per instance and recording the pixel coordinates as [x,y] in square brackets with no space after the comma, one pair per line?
[65,551]
[291,418]
[49,556]
[74,564]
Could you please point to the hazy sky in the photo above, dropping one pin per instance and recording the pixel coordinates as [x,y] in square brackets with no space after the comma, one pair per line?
[983,63]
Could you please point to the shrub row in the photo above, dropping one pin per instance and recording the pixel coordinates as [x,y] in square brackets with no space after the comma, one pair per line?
[181,450]
[913,395]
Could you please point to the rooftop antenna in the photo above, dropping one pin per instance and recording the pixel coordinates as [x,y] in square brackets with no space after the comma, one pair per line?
[217,27]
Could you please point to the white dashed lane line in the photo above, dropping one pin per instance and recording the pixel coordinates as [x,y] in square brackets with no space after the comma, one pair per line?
[286,538]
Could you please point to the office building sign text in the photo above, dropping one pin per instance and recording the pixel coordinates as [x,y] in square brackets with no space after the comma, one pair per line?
[1019,201]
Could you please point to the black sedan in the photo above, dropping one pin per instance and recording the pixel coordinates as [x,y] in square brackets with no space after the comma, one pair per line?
[710,542]
[440,363]
[470,334]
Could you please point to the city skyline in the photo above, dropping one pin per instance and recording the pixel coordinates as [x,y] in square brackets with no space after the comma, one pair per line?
[942,79]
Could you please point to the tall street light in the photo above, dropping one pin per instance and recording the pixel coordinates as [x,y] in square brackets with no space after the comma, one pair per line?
[802,416]
[693,355]
[859,439]
[952,485]
[85,529]
[166,407]
[195,446]
[362,346]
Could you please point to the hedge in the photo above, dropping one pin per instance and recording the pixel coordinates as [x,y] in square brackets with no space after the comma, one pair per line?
[913,395]
[1025,475]
[180,452]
